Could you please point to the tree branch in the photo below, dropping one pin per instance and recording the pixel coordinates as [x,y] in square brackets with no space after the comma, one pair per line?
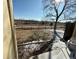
[62,10]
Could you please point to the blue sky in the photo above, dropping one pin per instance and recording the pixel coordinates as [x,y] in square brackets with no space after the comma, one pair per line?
[28,9]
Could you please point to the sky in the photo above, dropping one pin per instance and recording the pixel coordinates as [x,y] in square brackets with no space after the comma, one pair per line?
[28,9]
[31,9]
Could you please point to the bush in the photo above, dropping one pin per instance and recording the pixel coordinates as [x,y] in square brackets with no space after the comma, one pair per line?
[39,35]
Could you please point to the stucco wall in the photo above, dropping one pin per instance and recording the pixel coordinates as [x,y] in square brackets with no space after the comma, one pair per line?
[8,41]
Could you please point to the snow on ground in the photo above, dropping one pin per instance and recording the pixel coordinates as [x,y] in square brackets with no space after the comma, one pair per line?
[36,46]
[59,51]
[33,47]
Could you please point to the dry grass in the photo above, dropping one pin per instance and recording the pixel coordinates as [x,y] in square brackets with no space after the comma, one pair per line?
[29,35]
[24,32]
[22,35]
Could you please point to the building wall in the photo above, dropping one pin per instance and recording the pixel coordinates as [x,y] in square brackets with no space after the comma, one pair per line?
[9,49]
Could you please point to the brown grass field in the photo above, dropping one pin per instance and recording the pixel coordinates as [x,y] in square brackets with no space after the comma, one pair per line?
[24,31]
[23,34]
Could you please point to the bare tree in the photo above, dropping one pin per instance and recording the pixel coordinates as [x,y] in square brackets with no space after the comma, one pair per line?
[59,9]
[56,10]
